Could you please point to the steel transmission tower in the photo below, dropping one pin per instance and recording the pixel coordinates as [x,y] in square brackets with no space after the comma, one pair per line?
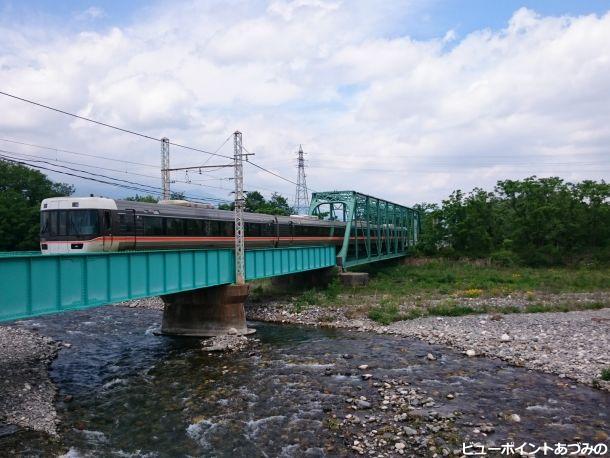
[301,198]
[240,277]
[165,168]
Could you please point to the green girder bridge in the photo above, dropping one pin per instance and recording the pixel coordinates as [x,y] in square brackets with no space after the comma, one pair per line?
[32,284]
[375,230]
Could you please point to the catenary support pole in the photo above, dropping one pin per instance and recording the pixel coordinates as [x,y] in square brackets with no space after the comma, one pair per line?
[239,209]
[165,168]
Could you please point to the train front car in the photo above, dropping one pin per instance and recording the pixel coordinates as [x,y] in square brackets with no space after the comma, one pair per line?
[76,225]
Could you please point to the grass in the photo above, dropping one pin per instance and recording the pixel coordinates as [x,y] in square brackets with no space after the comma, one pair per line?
[385,314]
[606,374]
[307,298]
[454,282]
[462,279]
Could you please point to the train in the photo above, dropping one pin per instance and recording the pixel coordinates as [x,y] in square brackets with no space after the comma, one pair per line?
[99,224]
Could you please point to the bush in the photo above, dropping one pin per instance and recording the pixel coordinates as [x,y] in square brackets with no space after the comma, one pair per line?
[451,310]
[385,313]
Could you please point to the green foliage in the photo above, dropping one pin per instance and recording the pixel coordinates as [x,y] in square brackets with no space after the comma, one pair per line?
[256,203]
[21,191]
[459,278]
[307,298]
[535,221]
[385,313]
[149,199]
[332,290]
[606,374]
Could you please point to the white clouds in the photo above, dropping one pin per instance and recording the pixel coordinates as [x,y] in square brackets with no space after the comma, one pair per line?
[435,114]
[93,12]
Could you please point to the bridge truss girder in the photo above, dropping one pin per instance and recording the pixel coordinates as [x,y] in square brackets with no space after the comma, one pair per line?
[375,230]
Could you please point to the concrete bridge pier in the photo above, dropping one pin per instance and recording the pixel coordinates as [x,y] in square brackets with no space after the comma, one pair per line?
[206,312]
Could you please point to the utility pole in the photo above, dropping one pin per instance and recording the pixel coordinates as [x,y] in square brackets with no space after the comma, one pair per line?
[240,274]
[301,198]
[165,168]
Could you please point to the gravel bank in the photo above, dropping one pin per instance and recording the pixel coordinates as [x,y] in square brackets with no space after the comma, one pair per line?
[152,303]
[26,392]
[572,345]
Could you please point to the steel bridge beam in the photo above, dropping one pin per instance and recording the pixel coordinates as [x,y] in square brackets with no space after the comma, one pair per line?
[375,229]
[32,284]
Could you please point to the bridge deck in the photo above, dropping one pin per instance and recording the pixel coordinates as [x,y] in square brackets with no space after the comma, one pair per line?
[32,284]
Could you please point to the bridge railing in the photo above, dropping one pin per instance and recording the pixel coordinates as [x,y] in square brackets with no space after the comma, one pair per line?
[375,229]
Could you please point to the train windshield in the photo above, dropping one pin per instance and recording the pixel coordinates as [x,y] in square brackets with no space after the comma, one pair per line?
[69,222]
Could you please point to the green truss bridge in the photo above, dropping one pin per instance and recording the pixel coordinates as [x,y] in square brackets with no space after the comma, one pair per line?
[196,285]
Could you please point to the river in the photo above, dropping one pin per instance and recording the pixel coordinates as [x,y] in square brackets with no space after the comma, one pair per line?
[125,391]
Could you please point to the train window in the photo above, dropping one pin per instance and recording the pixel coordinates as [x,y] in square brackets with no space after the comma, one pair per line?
[174,226]
[153,225]
[48,222]
[214,229]
[126,223]
[253,229]
[62,228]
[227,228]
[194,227]
[268,230]
[83,222]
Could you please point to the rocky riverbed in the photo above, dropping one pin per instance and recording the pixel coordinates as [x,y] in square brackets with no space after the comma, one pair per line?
[27,394]
[389,414]
[571,345]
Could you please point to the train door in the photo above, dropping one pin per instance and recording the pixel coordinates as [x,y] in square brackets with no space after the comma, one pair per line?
[107,237]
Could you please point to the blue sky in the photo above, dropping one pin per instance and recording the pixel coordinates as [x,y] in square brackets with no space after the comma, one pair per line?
[408,98]
[432,17]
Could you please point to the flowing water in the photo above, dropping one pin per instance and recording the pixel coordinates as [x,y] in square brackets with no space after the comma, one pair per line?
[133,393]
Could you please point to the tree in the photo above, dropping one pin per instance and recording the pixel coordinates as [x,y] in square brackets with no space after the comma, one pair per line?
[21,191]
[149,199]
[255,202]
[535,221]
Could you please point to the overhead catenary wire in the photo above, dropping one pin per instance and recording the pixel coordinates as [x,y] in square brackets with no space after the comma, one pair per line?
[140,187]
[132,132]
[121,129]
[112,170]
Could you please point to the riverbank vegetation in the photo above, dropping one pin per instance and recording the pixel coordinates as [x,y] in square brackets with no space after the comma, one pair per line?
[443,287]
[535,222]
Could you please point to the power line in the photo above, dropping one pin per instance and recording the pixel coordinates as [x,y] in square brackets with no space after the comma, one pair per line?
[268,171]
[21,162]
[60,150]
[130,185]
[109,169]
[121,129]
[77,170]
[77,153]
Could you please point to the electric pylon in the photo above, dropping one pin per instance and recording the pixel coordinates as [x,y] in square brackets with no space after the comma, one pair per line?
[301,198]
